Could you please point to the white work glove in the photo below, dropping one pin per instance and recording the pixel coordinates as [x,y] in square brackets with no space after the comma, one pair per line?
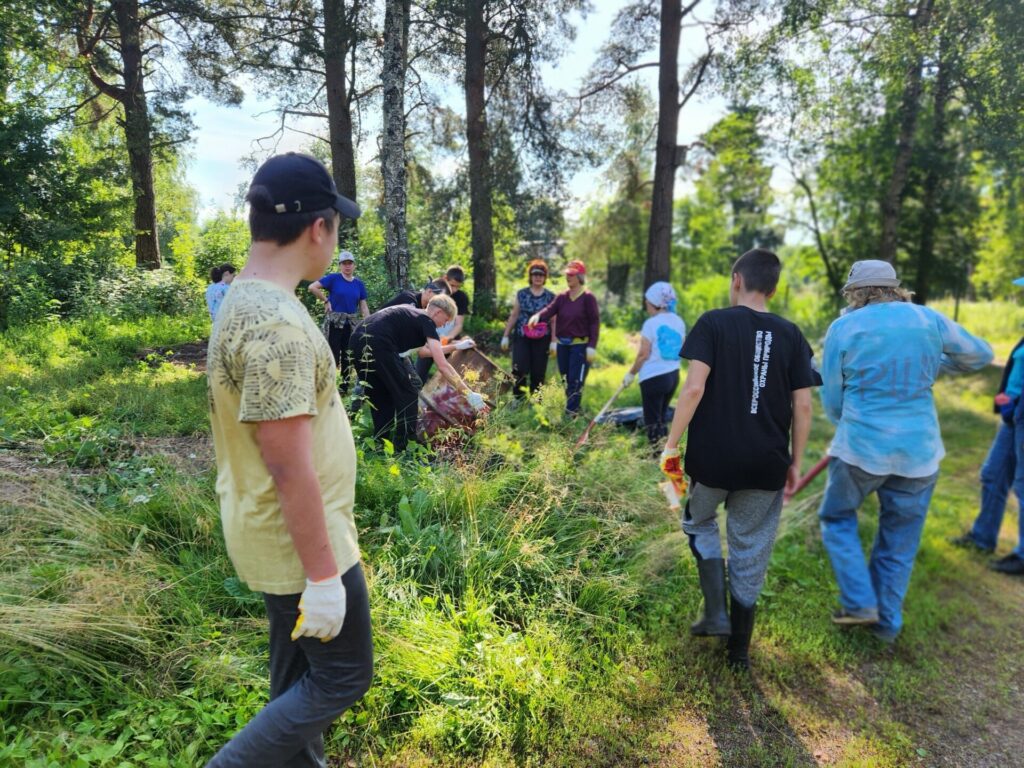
[476,400]
[465,344]
[534,319]
[591,354]
[628,378]
[553,349]
[321,609]
[504,343]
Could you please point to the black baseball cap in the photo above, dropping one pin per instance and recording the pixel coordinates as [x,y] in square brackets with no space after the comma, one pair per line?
[436,286]
[298,183]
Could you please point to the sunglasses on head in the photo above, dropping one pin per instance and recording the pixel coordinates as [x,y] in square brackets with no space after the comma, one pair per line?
[540,272]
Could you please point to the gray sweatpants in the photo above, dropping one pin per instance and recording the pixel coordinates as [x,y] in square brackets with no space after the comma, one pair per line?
[311,684]
[750,526]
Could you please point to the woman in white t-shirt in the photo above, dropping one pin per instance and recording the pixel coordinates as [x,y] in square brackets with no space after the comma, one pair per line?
[657,362]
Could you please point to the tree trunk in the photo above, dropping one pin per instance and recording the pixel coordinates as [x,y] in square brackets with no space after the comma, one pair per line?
[138,135]
[659,235]
[910,106]
[392,156]
[339,34]
[937,166]
[484,278]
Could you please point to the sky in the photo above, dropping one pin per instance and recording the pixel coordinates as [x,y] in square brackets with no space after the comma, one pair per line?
[225,136]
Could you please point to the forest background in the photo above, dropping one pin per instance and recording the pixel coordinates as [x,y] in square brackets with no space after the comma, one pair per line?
[890,129]
[529,602]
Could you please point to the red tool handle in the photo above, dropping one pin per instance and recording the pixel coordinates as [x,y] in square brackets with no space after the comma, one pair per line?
[811,474]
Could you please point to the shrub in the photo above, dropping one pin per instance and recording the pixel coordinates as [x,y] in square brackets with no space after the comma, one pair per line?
[136,294]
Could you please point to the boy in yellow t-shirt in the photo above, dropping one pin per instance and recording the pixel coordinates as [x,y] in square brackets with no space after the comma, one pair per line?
[286,469]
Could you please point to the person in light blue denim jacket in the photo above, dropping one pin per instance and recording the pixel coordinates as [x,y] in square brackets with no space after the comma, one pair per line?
[880,361]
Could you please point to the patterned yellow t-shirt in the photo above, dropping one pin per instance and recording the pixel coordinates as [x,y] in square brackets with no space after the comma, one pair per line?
[267,361]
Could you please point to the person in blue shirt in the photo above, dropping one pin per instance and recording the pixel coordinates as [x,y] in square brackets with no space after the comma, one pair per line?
[1003,469]
[880,360]
[220,281]
[344,305]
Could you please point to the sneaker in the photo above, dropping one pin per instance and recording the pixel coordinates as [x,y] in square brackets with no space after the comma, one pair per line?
[1011,564]
[853,618]
[968,542]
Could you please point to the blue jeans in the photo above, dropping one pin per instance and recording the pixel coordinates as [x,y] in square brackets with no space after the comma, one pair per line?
[902,507]
[1003,469]
[572,364]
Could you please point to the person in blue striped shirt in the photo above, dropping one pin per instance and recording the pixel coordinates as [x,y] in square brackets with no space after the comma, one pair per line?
[880,360]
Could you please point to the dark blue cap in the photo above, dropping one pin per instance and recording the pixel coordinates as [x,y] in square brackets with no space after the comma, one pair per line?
[298,183]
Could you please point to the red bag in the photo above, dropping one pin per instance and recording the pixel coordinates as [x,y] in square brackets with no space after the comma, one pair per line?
[538,331]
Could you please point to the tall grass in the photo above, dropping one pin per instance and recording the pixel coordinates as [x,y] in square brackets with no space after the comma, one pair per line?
[530,603]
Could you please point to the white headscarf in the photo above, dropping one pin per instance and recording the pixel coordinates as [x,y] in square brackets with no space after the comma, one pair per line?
[662,295]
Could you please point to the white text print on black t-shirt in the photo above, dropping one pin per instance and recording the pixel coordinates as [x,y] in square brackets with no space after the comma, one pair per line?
[762,355]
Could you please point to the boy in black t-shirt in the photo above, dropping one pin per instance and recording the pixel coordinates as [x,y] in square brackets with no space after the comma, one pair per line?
[748,381]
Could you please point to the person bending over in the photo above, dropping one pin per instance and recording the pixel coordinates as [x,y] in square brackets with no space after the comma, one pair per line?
[377,345]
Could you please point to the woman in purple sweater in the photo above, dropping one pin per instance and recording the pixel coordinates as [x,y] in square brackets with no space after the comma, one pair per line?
[579,322]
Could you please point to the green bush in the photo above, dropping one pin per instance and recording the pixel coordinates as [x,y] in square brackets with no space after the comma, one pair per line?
[143,293]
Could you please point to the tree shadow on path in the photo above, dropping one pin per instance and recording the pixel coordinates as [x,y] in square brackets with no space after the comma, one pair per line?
[749,731]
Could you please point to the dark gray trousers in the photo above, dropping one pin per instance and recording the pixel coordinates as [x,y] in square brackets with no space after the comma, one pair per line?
[311,684]
[752,520]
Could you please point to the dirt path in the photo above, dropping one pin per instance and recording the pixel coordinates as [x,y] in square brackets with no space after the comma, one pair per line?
[972,715]
[975,716]
[192,353]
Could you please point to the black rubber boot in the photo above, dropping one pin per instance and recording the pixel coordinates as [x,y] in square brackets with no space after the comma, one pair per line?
[715,621]
[738,647]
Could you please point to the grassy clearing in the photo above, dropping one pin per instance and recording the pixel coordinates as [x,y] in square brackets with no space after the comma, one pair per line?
[530,606]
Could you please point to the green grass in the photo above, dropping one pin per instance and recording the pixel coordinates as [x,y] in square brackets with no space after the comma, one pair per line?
[530,605]
[1000,322]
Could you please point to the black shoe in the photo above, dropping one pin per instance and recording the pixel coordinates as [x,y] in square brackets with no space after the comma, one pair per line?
[738,647]
[1011,564]
[968,542]
[715,621]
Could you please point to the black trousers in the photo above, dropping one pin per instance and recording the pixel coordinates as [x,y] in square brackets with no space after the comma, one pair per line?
[392,388]
[529,361]
[311,684]
[656,393]
[337,340]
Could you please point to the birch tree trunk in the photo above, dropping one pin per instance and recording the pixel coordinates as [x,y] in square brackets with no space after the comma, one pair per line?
[393,166]
[659,237]
[480,211]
